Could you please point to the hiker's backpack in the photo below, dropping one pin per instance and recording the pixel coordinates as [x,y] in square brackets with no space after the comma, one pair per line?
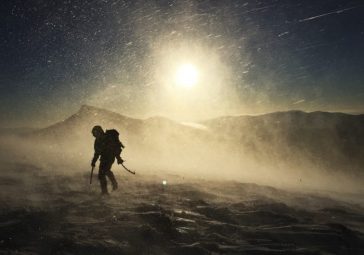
[113,144]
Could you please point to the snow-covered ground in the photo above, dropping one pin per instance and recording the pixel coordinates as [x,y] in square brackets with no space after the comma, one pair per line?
[46,212]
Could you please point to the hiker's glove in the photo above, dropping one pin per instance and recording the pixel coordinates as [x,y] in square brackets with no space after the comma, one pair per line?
[120,161]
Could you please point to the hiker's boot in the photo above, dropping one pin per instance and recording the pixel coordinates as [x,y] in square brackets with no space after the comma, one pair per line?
[103,193]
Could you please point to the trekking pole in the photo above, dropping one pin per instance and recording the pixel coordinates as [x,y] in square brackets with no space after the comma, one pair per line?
[132,172]
[92,171]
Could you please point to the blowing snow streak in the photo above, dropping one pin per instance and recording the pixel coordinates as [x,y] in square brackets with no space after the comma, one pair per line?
[329,13]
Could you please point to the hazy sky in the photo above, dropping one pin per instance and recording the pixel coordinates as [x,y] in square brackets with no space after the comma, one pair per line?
[251,57]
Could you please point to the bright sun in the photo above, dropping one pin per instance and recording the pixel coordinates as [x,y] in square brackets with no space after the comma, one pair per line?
[186,76]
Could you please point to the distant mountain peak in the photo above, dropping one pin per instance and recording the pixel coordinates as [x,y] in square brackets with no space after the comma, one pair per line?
[88,108]
[96,111]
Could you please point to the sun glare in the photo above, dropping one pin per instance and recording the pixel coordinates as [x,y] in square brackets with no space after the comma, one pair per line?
[186,76]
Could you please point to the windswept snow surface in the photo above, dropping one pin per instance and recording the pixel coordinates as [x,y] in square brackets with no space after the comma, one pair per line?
[46,212]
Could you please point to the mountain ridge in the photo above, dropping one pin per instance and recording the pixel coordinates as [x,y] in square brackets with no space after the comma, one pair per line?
[331,140]
[88,110]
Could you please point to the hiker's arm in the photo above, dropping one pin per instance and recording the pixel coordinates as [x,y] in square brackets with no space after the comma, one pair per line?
[119,160]
[97,153]
[118,151]
[94,159]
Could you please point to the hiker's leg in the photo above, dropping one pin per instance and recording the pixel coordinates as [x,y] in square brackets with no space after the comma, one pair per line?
[109,173]
[102,178]
[111,176]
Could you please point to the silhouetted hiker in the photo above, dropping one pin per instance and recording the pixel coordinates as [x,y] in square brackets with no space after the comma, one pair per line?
[108,147]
